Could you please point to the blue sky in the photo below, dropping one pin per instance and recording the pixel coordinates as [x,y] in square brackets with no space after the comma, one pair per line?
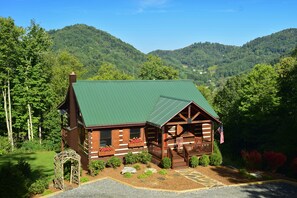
[161,24]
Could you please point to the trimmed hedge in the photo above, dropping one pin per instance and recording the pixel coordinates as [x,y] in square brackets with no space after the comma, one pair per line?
[194,161]
[95,167]
[204,160]
[166,162]
[114,162]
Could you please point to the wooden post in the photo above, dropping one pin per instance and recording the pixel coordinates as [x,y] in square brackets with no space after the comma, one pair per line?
[212,136]
[162,142]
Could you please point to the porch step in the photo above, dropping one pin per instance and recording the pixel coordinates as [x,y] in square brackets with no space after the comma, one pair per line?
[179,164]
[178,160]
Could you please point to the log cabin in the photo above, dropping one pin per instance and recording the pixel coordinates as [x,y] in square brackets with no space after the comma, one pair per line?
[167,118]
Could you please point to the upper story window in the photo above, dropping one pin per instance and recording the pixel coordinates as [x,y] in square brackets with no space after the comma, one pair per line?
[105,138]
[134,133]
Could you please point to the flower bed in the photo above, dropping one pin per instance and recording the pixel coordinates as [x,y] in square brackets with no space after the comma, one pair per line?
[135,142]
[106,151]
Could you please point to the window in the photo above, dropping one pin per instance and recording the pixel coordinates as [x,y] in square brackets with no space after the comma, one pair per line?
[134,133]
[105,138]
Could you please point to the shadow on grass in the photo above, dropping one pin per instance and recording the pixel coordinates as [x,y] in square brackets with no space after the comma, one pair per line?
[14,157]
[16,178]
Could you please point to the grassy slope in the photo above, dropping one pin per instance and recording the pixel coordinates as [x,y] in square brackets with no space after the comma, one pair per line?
[42,161]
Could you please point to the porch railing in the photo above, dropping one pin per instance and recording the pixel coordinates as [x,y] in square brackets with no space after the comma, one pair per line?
[155,149]
[198,150]
[186,154]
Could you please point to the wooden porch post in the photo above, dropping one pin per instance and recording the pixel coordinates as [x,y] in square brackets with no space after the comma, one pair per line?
[212,136]
[163,142]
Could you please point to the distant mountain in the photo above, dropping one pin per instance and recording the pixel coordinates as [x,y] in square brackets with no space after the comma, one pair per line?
[205,60]
[92,47]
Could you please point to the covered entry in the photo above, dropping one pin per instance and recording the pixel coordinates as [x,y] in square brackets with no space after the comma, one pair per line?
[179,129]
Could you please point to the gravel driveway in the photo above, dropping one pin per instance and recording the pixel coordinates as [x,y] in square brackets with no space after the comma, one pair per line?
[108,188]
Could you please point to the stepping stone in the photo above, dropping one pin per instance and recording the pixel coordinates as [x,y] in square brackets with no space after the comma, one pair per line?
[128,170]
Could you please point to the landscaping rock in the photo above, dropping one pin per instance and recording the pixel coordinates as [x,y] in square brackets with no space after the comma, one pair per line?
[150,169]
[128,170]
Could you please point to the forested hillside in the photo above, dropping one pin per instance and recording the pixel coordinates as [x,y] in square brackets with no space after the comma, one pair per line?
[94,47]
[204,61]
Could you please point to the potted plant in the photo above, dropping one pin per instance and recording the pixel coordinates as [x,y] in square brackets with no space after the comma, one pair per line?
[135,142]
[106,151]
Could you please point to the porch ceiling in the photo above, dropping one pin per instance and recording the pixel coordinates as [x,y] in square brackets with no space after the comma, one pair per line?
[165,109]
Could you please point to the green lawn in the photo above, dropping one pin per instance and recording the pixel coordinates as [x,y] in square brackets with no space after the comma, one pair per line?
[41,161]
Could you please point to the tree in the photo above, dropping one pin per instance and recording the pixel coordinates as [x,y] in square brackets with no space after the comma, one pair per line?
[32,91]
[154,69]
[10,51]
[259,92]
[61,64]
[108,71]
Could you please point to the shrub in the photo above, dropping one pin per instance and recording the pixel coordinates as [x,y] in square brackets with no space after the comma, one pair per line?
[148,172]
[24,167]
[130,158]
[95,167]
[84,179]
[162,172]
[13,183]
[136,166]
[216,150]
[38,186]
[274,160]
[166,162]
[114,162]
[194,161]
[142,176]
[32,145]
[127,175]
[144,157]
[215,160]
[204,160]
[252,159]
[5,146]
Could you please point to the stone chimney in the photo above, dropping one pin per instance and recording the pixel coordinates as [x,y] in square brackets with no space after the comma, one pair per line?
[72,103]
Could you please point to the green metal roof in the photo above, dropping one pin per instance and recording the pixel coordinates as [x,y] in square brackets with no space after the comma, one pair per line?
[165,109]
[118,102]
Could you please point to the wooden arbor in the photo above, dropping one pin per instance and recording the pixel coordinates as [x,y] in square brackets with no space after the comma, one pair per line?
[59,160]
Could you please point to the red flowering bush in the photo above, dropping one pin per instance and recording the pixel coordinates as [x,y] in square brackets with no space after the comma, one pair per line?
[252,159]
[135,140]
[105,149]
[274,160]
[294,165]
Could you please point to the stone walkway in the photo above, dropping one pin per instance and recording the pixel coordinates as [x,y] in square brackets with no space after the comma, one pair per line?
[199,178]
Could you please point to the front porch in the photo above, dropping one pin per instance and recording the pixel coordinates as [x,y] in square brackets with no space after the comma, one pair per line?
[186,132]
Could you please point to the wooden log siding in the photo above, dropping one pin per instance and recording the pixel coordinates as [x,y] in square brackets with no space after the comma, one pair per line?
[206,132]
[94,144]
[123,139]
[115,138]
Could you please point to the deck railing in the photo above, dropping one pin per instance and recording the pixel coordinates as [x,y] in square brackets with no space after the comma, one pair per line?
[186,154]
[197,150]
[155,149]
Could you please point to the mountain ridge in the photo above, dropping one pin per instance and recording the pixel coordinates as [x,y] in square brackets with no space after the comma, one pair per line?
[198,61]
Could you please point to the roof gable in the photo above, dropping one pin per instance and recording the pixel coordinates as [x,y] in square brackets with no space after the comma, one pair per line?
[165,109]
[127,102]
